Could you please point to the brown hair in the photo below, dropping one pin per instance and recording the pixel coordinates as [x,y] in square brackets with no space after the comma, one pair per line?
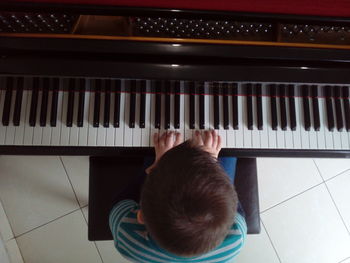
[188,202]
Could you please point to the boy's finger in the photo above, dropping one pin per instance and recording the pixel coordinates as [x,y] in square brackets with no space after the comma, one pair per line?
[170,138]
[218,147]
[162,139]
[178,138]
[208,139]
[156,139]
[199,138]
[215,139]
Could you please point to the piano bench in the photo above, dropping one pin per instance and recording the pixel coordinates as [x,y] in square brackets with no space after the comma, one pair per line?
[111,175]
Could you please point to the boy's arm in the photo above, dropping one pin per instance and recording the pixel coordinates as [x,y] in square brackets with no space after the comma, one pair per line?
[118,212]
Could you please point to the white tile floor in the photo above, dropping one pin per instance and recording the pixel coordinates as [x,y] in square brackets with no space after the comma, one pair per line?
[305,211]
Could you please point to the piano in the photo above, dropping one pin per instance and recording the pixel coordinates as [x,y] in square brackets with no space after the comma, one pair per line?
[87,80]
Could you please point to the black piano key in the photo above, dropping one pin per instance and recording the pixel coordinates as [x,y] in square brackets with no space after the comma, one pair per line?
[192,105]
[142,103]
[273,105]
[97,103]
[7,102]
[315,107]
[18,102]
[34,102]
[235,123]
[216,107]
[292,114]
[201,105]
[70,106]
[177,105]
[158,105]
[249,90]
[329,105]
[80,117]
[107,108]
[306,107]
[132,104]
[166,91]
[116,116]
[44,101]
[54,102]
[346,107]
[224,92]
[283,109]
[338,112]
[259,108]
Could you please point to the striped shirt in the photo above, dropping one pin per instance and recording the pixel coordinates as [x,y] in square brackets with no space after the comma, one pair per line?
[135,244]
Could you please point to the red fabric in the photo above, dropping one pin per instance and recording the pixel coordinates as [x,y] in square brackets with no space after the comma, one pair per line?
[301,7]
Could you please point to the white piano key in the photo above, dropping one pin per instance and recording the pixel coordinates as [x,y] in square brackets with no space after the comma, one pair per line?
[264,133]
[312,132]
[288,133]
[321,142]
[344,134]
[74,130]
[110,129]
[162,115]
[19,137]
[10,131]
[211,113]
[2,100]
[145,132]
[247,134]
[172,111]
[47,130]
[153,130]
[255,131]
[196,113]
[239,133]
[83,131]
[297,132]
[272,133]
[65,131]
[101,131]
[222,131]
[182,117]
[337,139]
[328,134]
[38,130]
[206,107]
[188,131]
[230,133]
[56,131]
[127,129]
[305,144]
[136,136]
[119,132]
[280,133]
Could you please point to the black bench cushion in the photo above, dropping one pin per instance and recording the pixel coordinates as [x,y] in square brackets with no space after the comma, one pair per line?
[110,176]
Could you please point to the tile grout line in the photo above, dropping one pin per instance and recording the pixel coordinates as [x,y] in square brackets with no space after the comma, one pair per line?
[326,180]
[75,194]
[98,251]
[273,246]
[19,249]
[291,198]
[344,259]
[47,223]
[343,172]
[329,192]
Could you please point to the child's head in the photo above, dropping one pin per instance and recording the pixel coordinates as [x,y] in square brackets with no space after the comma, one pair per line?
[188,202]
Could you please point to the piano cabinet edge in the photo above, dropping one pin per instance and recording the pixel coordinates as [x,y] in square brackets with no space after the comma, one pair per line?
[148,151]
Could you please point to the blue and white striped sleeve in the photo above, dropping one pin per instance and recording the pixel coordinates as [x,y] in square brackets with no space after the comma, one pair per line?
[120,210]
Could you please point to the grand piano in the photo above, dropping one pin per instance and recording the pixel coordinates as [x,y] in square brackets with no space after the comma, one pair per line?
[79,78]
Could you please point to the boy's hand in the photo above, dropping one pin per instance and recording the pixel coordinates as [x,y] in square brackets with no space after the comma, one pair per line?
[164,143]
[210,141]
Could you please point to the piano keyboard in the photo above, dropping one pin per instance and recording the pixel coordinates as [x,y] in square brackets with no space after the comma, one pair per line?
[47,111]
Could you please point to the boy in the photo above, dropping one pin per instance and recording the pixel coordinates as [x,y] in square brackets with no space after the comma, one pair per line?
[188,206]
